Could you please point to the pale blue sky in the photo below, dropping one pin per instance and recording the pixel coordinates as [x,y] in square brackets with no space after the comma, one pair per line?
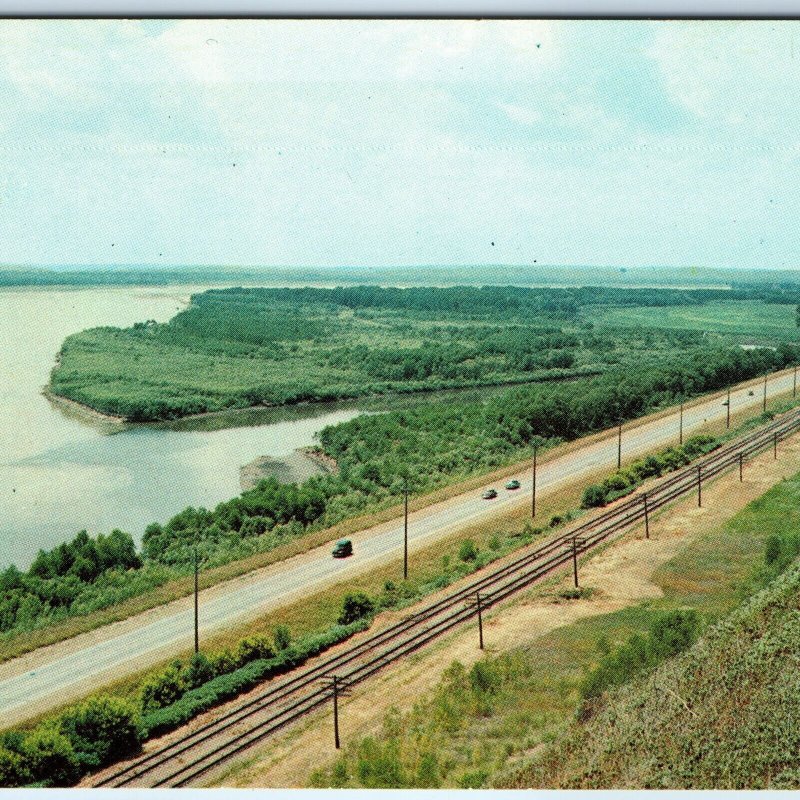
[400,142]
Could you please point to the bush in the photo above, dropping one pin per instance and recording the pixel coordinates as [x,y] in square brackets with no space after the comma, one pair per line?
[467,551]
[594,496]
[224,687]
[199,671]
[101,729]
[671,633]
[13,770]
[50,756]
[282,638]
[355,606]
[163,688]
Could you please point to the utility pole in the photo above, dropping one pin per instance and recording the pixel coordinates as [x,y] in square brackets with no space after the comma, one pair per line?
[680,426]
[699,488]
[405,530]
[764,408]
[577,541]
[575,561]
[794,382]
[728,409]
[646,517]
[619,445]
[478,603]
[775,446]
[196,602]
[533,492]
[339,688]
[741,464]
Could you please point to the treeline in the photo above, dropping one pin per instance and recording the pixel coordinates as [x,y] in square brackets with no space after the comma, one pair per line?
[429,445]
[241,348]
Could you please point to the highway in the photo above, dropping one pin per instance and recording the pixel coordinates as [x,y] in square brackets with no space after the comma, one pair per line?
[48,678]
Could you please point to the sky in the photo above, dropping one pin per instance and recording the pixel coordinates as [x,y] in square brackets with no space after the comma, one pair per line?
[381,143]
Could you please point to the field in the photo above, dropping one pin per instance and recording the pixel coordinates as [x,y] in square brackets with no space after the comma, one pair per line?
[753,321]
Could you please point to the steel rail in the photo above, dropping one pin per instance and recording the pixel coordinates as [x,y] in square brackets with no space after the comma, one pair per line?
[619,517]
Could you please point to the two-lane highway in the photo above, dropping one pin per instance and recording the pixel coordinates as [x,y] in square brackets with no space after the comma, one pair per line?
[56,674]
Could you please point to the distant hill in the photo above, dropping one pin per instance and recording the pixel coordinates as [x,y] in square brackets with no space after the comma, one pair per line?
[724,715]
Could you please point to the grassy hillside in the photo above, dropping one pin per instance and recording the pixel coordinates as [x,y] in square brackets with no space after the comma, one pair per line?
[723,715]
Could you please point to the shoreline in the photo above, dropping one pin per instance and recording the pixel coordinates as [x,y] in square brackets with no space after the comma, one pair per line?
[83,412]
[101,416]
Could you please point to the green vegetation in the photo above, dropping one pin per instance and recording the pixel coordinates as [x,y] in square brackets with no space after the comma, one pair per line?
[742,320]
[59,751]
[624,481]
[236,348]
[165,699]
[718,717]
[433,444]
[483,726]
[669,634]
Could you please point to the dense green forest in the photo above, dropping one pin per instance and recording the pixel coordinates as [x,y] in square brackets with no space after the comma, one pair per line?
[430,444]
[237,348]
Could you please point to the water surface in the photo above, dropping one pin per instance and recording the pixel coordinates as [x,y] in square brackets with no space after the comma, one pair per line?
[59,475]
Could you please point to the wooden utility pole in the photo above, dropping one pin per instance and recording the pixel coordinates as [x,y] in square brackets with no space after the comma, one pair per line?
[794,383]
[619,444]
[572,548]
[741,464]
[680,426]
[477,603]
[405,530]
[775,446]
[339,688]
[764,407]
[728,410]
[575,561]
[196,602]
[699,488]
[646,517]
[533,491]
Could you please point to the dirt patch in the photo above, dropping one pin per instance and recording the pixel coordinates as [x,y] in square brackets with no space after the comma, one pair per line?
[622,574]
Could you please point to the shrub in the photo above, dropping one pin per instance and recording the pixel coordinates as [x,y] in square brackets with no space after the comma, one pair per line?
[669,634]
[50,756]
[355,606]
[252,648]
[13,770]
[282,638]
[199,671]
[163,688]
[101,729]
[594,496]
[467,551]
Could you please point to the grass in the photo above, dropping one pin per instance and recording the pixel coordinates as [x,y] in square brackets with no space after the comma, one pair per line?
[720,716]
[532,707]
[762,322]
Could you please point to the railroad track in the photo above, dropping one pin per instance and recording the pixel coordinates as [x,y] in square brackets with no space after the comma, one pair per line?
[286,700]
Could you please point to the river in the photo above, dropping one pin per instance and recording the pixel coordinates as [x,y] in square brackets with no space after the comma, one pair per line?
[59,475]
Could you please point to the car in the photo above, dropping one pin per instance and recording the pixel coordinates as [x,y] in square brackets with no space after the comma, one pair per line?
[342,548]
[511,485]
[489,494]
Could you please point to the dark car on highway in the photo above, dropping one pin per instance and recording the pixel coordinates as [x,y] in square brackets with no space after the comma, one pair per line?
[511,485]
[489,494]
[342,548]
